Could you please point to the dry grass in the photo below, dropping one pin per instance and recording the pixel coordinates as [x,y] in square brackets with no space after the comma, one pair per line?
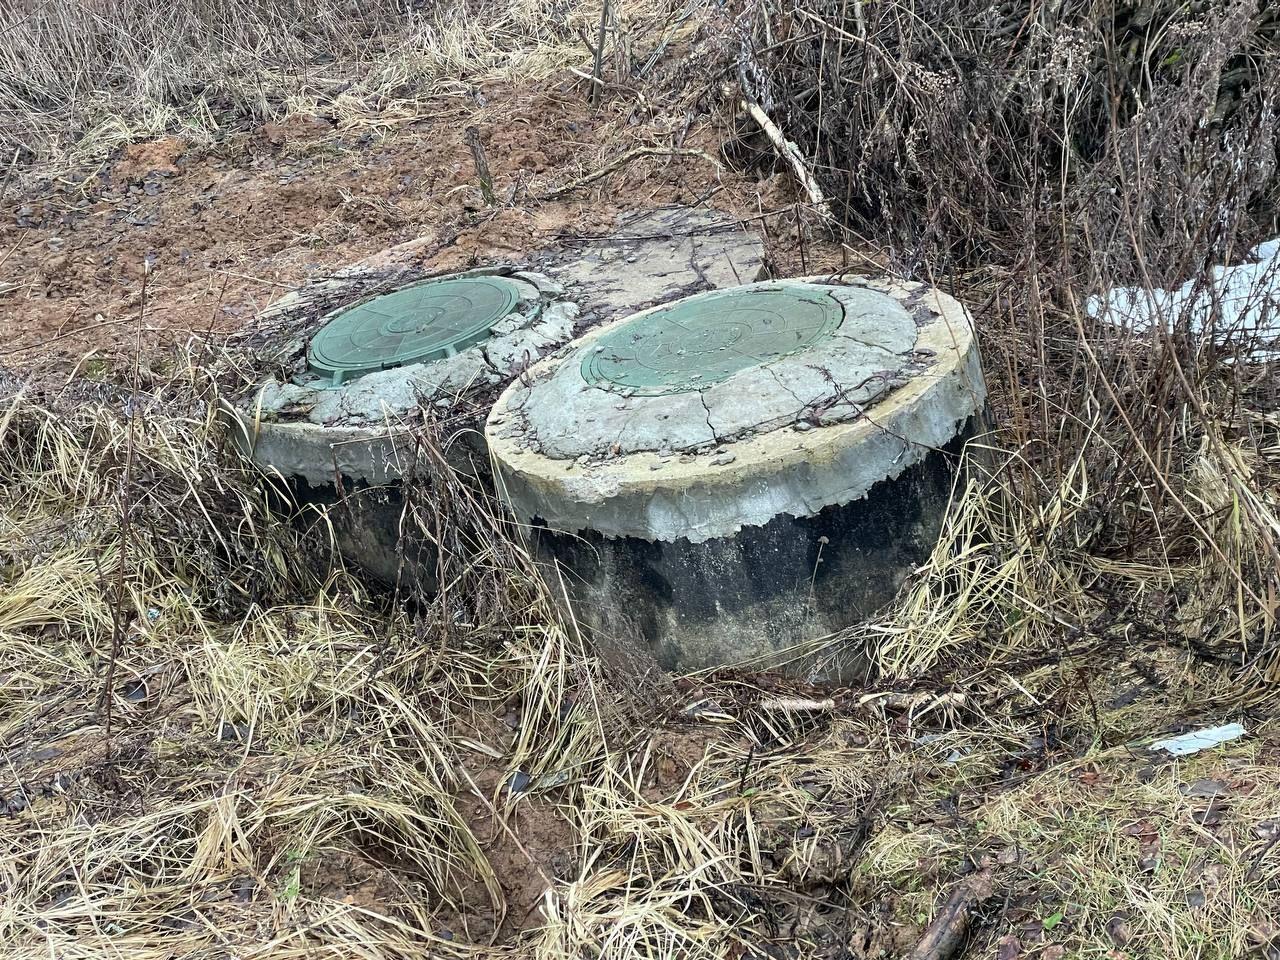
[258,722]
[217,741]
[78,78]
[295,766]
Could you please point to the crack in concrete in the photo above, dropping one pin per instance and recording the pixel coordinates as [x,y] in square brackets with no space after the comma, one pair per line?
[696,267]
[715,436]
[801,405]
[484,353]
[879,348]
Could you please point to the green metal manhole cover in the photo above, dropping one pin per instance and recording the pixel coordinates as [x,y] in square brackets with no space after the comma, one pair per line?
[707,338]
[425,321]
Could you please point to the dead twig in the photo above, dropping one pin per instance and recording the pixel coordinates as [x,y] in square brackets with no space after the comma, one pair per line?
[791,153]
[4,187]
[597,82]
[622,160]
[482,167]
[119,620]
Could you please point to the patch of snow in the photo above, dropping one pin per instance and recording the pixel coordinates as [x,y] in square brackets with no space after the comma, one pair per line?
[1239,304]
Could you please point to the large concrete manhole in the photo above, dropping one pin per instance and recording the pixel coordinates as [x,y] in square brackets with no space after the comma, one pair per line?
[351,362]
[720,479]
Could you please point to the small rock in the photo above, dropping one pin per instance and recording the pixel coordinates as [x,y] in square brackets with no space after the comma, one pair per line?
[1267,829]
[723,461]
[1211,815]
[699,707]
[1203,788]
[1009,948]
[1118,930]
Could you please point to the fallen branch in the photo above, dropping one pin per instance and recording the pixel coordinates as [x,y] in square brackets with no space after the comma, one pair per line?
[949,928]
[640,98]
[791,153]
[620,161]
[798,705]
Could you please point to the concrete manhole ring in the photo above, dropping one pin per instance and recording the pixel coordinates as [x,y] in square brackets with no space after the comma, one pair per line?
[371,364]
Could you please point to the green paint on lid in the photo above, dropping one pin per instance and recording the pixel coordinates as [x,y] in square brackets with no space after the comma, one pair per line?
[422,322]
[707,338]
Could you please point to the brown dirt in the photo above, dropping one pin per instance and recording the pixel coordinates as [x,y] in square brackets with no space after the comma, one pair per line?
[218,233]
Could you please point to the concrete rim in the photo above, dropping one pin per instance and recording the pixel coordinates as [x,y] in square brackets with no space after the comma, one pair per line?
[361,435]
[652,497]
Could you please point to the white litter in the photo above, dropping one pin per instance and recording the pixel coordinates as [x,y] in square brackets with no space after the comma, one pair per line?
[1194,742]
[1240,304]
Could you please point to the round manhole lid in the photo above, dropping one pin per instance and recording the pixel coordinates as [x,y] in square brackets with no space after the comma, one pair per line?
[422,322]
[707,338]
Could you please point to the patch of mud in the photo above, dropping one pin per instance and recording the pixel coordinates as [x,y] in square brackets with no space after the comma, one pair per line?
[356,880]
[531,847]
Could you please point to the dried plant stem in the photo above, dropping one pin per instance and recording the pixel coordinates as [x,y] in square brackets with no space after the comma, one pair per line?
[621,161]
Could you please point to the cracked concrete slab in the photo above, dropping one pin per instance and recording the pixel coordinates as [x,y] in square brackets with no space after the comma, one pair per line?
[837,377]
[653,257]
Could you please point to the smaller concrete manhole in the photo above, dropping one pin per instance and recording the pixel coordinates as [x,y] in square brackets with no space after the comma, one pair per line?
[722,478]
[370,366]
[348,367]
[426,321]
